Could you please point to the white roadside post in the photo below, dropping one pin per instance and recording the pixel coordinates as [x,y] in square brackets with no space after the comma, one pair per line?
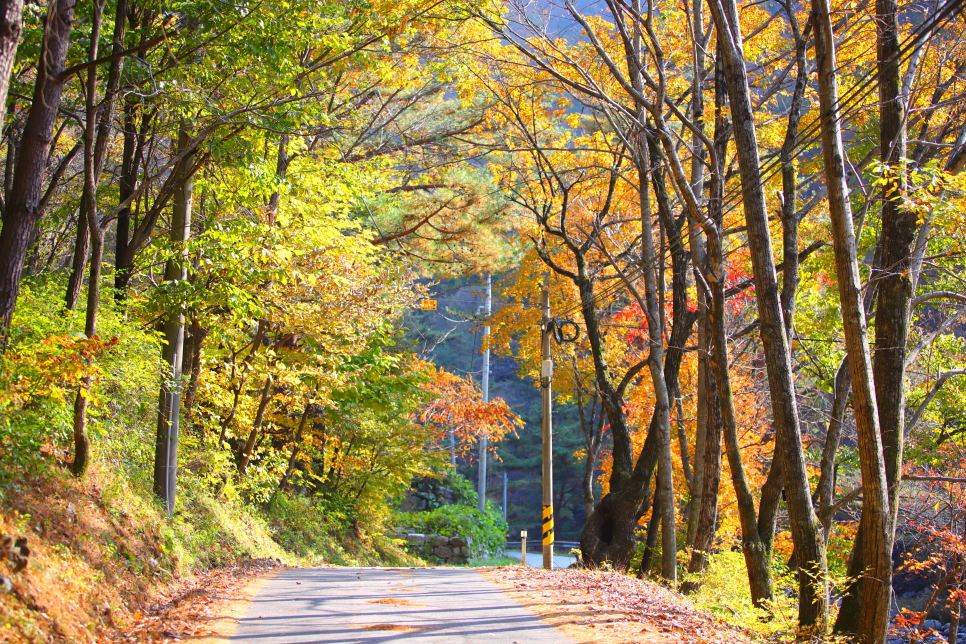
[523,546]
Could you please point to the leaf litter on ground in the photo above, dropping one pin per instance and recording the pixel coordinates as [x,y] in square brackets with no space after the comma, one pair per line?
[612,608]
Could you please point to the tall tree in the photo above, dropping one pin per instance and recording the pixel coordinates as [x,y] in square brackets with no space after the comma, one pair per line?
[805,528]
[876,577]
[22,212]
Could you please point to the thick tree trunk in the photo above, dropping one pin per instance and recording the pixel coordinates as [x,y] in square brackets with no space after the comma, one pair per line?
[608,535]
[805,528]
[22,212]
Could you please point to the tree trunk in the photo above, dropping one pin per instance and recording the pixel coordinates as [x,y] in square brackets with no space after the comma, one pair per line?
[82,244]
[96,236]
[655,362]
[296,448]
[245,457]
[130,163]
[22,212]
[706,524]
[651,539]
[608,534]
[876,580]
[11,23]
[805,529]
[894,278]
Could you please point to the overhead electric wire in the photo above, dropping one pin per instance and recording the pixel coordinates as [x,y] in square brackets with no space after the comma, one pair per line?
[854,96]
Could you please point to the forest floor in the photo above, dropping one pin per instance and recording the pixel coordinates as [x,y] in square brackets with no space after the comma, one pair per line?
[612,608]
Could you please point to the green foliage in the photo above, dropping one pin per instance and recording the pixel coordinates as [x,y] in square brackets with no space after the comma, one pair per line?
[41,371]
[725,592]
[486,529]
[325,531]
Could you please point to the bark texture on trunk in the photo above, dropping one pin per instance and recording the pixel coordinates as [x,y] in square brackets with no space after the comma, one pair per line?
[876,578]
[893,281]
[805,528]
[22,211]
[11,26]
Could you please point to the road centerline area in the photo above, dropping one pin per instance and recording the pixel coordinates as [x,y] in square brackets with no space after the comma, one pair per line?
[436,605]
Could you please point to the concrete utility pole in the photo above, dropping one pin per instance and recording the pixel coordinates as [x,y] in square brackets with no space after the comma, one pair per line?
[546,374]
[169,405]
[481,487]
[504,495]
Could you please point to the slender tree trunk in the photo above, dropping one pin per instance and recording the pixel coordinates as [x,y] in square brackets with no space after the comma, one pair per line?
[130,162]
[11,24]
[22,212]
[655,363]
[245,457]
[876,578]
[96,235]
[789,212]
[82,244]
[707,521]
[296,448]
[805,528]
[647,557]
[194,343]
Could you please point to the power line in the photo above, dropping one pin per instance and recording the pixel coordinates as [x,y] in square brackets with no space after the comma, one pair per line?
[846,108]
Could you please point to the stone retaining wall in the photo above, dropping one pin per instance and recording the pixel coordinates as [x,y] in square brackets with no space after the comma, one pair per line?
[437,548]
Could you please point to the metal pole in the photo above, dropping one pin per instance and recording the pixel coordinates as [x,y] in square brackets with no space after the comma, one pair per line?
[546,375]
[504,495]
[166,439]
[481,487]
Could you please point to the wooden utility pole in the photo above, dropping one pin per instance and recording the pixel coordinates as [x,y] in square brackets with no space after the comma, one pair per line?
[546,375]
[169,403]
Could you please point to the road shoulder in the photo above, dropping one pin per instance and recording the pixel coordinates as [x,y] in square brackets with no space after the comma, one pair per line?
[609,608]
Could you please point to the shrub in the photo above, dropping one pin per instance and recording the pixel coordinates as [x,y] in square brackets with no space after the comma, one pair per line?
[487,530]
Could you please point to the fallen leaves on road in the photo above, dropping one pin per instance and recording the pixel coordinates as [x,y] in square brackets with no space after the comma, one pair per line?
[611,608]
[394,627]
[392,601]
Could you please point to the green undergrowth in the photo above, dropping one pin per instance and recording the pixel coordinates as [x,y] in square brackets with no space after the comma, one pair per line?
[101,549]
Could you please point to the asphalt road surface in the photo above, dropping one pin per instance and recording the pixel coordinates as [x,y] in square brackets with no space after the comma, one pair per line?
[348,605]
[535,559]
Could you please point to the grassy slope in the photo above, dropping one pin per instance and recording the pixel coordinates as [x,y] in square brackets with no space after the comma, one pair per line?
[102,548]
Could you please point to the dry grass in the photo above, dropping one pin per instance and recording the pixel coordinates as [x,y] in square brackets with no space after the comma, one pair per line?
[99,569]
[611,608]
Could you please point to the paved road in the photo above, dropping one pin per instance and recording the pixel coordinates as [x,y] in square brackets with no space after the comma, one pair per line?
[348,605]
